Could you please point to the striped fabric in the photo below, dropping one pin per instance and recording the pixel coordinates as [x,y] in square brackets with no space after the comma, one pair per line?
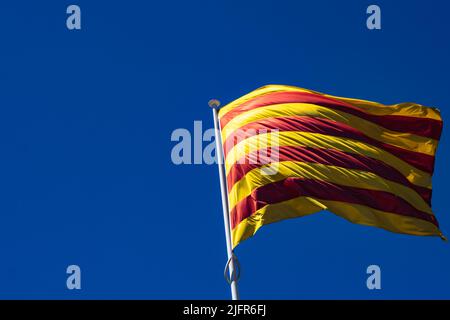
[291,152]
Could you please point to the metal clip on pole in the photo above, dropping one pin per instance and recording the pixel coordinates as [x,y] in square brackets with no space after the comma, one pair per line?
[236,274]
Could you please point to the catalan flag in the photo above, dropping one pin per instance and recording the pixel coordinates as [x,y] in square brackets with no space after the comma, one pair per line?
[290,152]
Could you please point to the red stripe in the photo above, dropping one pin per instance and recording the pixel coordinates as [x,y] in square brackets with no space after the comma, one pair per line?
[426,127]
[330,157]
[291,188]
[421,161]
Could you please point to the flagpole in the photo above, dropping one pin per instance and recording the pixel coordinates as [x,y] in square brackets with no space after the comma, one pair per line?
[231,264]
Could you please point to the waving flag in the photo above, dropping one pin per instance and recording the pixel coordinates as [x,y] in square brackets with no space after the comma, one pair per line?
[291,152]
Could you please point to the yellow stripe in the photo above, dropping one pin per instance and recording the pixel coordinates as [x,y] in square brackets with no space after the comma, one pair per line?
[315,140]
[407,109]
[293,208]
[317,171]
[256,93]
[355,213]
[401,109]
[402,140]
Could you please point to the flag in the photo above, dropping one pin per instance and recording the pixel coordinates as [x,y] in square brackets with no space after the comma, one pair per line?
[290,152]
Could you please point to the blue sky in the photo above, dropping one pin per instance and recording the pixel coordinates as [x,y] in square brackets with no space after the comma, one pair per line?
[86,116]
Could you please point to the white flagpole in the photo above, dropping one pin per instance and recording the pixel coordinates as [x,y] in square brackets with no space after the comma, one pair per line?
[231,264]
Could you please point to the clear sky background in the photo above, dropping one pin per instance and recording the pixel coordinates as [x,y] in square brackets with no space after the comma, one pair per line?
[86,116]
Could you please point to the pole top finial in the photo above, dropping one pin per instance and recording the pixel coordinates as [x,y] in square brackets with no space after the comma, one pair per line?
[214,103]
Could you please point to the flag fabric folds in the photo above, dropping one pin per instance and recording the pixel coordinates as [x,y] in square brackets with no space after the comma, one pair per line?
[291,152]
